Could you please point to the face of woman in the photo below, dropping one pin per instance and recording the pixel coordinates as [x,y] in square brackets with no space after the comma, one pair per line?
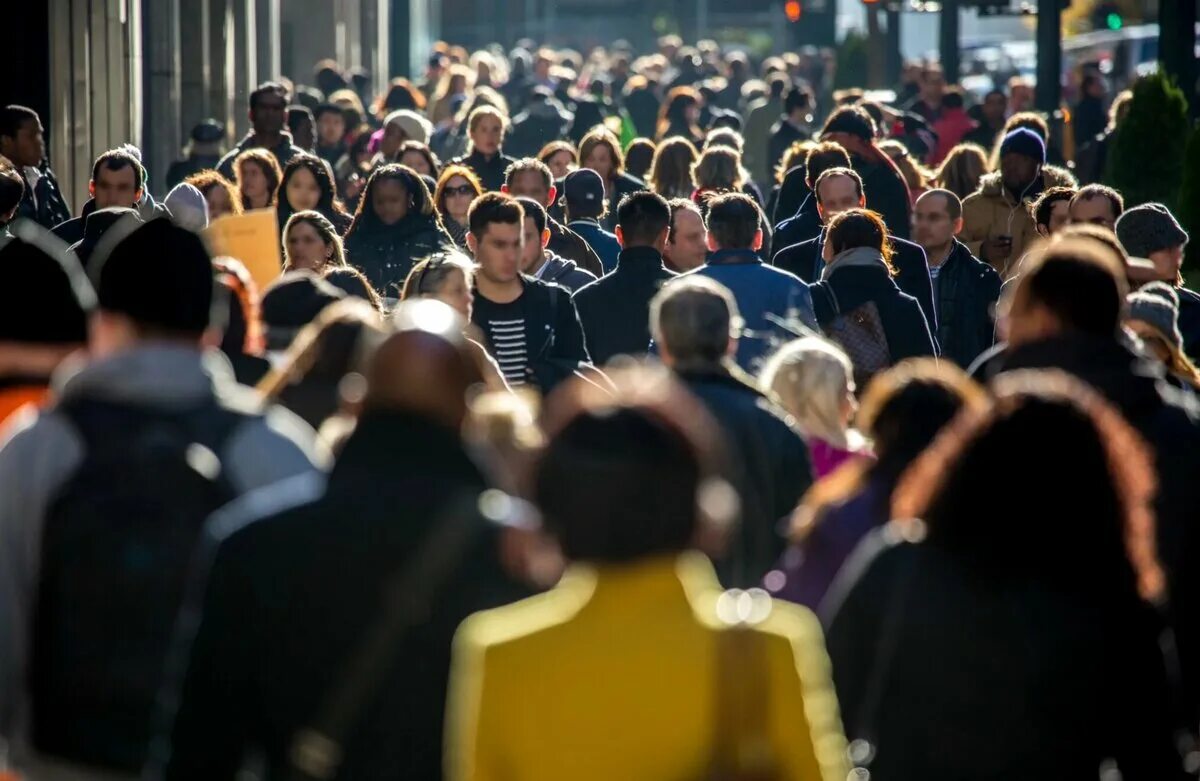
[488,135]
[561,164]
[306,249]
[692,113]
[218,202]
[416,161]
[458,197]
[600,160]
[253,183]
[303,192]
[390,200]
[456,293]
[393,137]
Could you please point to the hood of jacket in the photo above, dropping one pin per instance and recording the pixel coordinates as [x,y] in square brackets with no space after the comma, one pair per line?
[157,374]
[1052,176]
[546,110]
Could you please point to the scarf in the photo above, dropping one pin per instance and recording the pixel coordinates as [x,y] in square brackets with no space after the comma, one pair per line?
[858,256]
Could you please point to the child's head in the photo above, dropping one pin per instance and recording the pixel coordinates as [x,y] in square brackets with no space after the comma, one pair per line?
[814,381]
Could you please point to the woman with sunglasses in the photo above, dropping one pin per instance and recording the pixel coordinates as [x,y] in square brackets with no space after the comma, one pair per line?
[456,188]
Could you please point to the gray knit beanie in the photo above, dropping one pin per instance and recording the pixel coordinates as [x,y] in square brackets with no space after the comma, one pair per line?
[1149,228]
[1157,305]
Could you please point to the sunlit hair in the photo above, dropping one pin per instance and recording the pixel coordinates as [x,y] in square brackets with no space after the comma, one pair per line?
[477,115]
[424,151]
[205,180]
[719,168]
[269,166]
[673,113]
[233,275]
[602,137]
[812,378]
[324,229]
[795,155]
[401,94]
[671,169]
[451,171]
[420,202]
[428,276]
[855,228]
[962,169]
[552,149]
[915,175]
[1080,513]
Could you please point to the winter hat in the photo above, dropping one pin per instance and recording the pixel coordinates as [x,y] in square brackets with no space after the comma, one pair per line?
[208,131]
[95,226]
[157,273]
[1149,228]
[35,261]
[188,207]
[292,302]
[1024,141]
[583,190]
[415,126]
[1157,305]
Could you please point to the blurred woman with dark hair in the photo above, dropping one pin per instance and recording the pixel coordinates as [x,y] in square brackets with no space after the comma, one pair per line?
[679,114]
[671,168]
[1010,632]
[561,157]
[307,185]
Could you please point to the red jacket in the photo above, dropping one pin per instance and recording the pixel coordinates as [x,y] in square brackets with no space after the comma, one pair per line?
[950,129]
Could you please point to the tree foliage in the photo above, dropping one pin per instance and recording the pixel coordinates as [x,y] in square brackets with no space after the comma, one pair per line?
[1149,144]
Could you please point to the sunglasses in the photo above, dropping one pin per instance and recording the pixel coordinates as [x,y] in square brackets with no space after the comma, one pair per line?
[464,189]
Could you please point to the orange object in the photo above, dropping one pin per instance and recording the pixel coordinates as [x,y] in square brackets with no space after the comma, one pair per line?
[793,10]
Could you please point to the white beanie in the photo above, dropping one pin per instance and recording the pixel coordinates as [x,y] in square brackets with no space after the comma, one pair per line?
[415,126]
[188,207]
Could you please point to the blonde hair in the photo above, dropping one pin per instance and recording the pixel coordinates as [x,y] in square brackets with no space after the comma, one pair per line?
[812,378]
[962,169]
[324,229]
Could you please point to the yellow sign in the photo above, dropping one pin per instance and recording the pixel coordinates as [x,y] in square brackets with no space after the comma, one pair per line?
[252,238]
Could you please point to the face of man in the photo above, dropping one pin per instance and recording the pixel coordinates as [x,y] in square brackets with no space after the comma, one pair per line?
[1096,211]
[1018,171]
[994,108]
[933,227]
[27,147]
[268,114]
[116,188]
[534,247]
[685,248]
[933,84]
[1060,215]
[498,251]
[530,184]
[838,194]
[331,127]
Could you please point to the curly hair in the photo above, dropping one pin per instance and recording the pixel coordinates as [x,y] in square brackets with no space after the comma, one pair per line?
[269,166]
[205,180]
[420,201]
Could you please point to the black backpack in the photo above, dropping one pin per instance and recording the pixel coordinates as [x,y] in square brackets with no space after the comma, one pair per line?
[117,545]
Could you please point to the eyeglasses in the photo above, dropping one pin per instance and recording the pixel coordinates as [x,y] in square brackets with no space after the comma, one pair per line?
[464,189]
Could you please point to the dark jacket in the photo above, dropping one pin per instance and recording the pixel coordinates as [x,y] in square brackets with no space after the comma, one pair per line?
[619,187]
[193,164]
[298,577]
[904,326]
[490,170]
[801,226]
[564,272]
[993,677]
[51,207]
[1189,321]
[886,192]
[764,296]
[1090,119]
[570,245]
[615,310]
[769,466]
[967,290]
[602,242]
[386,253]
[553,337]
[912,268]
[284,151]
[984,135]
[538,125]
[783,135]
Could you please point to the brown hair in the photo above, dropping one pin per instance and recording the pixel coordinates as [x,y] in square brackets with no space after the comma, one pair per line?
[671,169]
[324,229]
[674,109]
[860,228]
[822,157]
[796,155]
[269,166]
[451,171]
[602,137]
[962,169]
[554,147]
[719,168]
[208,179]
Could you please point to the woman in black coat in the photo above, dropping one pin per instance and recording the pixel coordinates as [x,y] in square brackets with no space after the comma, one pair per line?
[857,302]
[395,227]
[307,185]
[1010,634]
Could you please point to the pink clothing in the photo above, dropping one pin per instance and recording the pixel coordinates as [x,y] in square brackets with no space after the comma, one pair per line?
[826,458]
[950,127]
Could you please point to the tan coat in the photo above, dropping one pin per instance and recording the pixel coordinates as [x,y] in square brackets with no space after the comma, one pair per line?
[992,211]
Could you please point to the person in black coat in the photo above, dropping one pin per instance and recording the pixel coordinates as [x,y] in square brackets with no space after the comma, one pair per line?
[615,310]
[543,120]
[838,190]
[965,289]
[792,126]
[485,127]
[805,222]
[117,181]
[691,321]
[395,228]
[1011,633]
[22,142]
[883,184]
[298,578]
[601,151]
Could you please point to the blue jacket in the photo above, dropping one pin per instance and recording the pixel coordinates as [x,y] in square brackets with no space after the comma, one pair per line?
[764,295]
[604,243]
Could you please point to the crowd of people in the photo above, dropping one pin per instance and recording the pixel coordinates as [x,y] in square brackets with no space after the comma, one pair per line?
[611,416]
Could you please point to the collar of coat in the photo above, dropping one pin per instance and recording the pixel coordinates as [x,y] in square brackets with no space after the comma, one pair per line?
[1052,176]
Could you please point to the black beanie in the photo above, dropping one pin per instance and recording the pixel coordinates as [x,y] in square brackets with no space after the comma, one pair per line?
[46,297]
[292,302]
[157,274]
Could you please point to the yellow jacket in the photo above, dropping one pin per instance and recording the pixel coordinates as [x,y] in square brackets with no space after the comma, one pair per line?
[611,675]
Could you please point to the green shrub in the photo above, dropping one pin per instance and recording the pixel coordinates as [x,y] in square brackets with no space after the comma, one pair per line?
[851,61]
[1144,163]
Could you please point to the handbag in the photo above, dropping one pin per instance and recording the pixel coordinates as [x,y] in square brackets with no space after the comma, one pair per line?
[860,333]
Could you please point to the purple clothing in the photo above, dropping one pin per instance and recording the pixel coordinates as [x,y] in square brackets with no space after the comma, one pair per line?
[826,458]
[808,568]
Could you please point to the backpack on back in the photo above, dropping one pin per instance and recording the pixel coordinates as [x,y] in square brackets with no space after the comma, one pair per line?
[117,547]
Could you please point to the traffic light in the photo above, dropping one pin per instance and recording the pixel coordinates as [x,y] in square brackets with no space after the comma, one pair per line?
[1107,16]
[793,10]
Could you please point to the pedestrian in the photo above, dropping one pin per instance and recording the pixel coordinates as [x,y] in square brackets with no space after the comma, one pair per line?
[99,593]
[884,185]
[23,143]
[307,185]
[679,115]
[718,170]
[1091,159]
[258,177]
[311,243]
[1096,204]
[614,311]
[813,380]
[585,206]
[992,115]
[952,126]
[1153,317]
[242,339]
[543,121]
[915,175]
[805,223]
[187,207]
[619,483]
[290,303]
[96,225]
[401,94]
[695,323]
[837,190]
[788,194]
[537,260]
[457,188]
[965,289]
[761,115]
[561,157]
[961,170]
[399,127]
[406,472]
[530,178]
[601,152]
[486,127]
[1091,114]
[12,190]
[686,246]
[774,305]
[793,125]
[353,283]
[203,152]
[934,623]
[331,133]
[301,125]
[418,156]
[1051,212]
[932,83]
[394,228]
[639,155]
[671,168]
[902,412]
[219,193]
[857,301]
[117,178]
[268,111]
[530,327]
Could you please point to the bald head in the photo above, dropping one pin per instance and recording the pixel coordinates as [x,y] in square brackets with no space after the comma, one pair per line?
[426,366]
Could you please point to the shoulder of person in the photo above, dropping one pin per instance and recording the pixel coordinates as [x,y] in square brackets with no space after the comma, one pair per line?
[511,624]
[872,568]
[40,443]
